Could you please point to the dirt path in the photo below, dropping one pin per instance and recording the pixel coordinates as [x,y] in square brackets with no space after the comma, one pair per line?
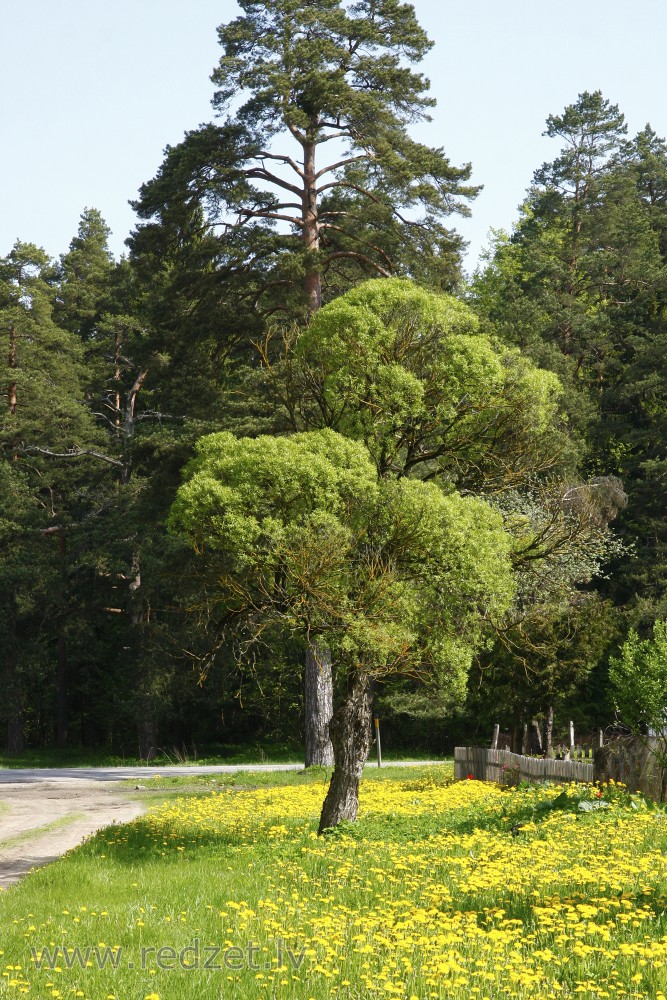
[45,812]
[41,820]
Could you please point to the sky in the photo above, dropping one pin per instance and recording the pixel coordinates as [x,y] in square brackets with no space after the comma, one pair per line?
[91,92]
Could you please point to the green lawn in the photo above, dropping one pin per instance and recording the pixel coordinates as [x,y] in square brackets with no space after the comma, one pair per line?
[252,753]
[455,891]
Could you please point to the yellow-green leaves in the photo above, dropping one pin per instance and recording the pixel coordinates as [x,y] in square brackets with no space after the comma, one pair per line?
[407,371]
[301,532]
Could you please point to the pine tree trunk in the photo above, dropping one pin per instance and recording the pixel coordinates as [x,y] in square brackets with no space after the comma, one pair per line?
[61,691]
[535,737]
[318,704]
[62,674]
[311,228]
[351,737]
[15,735]
[12,687]
[549,731]
[147,732]
[13,364]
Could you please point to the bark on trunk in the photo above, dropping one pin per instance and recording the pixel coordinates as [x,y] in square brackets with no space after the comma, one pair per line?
[62,675]
[117,379]
[129,426]
[147,732]
[549,731]
[13,364]
[15,735]
[535,737]
[61,693]
[318,702]
[311,228]
[351,736]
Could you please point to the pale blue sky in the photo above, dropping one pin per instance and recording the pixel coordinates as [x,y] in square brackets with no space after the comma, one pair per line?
[92,91]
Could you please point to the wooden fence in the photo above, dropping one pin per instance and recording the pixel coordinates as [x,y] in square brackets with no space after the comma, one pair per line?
[510,768]
[640,763]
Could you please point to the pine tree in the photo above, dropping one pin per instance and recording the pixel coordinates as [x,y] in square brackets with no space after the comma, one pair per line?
[581,285]
[257,205]
[44,423]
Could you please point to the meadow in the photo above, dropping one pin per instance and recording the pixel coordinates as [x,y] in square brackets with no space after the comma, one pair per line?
[442,889]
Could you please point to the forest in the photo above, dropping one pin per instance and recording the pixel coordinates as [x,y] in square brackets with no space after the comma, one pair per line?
[285,454]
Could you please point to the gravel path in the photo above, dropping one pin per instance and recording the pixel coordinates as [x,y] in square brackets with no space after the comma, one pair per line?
[43,819]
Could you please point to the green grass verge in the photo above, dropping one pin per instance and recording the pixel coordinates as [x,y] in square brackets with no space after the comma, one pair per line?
[253,753]
[449,891]
[249,779]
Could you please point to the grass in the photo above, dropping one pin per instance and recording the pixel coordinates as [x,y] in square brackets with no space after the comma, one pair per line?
[463,891]
[249,779]
[236,754]
[256,753]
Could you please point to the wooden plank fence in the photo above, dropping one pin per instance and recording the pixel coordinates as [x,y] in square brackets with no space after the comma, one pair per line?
[640,763]
[507,768]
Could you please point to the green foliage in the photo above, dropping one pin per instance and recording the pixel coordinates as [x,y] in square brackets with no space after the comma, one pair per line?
[638,679]
[407,372]
[41,361]
[86,276]
[249,219]
[580,286]
[395,576]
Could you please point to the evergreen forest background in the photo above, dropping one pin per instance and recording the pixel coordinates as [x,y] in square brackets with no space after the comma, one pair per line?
[112,370]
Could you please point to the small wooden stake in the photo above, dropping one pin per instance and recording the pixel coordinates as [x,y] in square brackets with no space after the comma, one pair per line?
[377,741]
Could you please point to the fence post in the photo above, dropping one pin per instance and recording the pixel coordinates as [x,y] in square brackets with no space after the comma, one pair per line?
[496,736]
[377,741]
[571,735]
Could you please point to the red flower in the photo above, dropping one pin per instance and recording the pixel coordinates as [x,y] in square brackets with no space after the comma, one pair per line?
[470,777]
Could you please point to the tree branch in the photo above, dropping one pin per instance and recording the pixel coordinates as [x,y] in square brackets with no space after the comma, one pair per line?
[258,213]
[354,255]
[263,154]
[341,163]
[74,453]
[261,173]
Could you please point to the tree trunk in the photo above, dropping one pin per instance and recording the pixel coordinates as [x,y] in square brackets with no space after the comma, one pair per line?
[61,691]
[549,731]
[535,738]
[62,678]
[311,230]
[318,701]
[129,426]
[351,736]
[13,364]
[15,736]
[147,732]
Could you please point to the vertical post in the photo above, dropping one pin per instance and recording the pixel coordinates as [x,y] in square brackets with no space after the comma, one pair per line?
[571,735]
[377,741]
[496,735]
[600,738]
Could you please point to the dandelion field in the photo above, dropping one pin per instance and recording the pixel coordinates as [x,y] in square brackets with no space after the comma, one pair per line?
[441,890]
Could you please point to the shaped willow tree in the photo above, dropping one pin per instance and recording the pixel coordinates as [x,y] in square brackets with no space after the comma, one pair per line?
[301,533]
